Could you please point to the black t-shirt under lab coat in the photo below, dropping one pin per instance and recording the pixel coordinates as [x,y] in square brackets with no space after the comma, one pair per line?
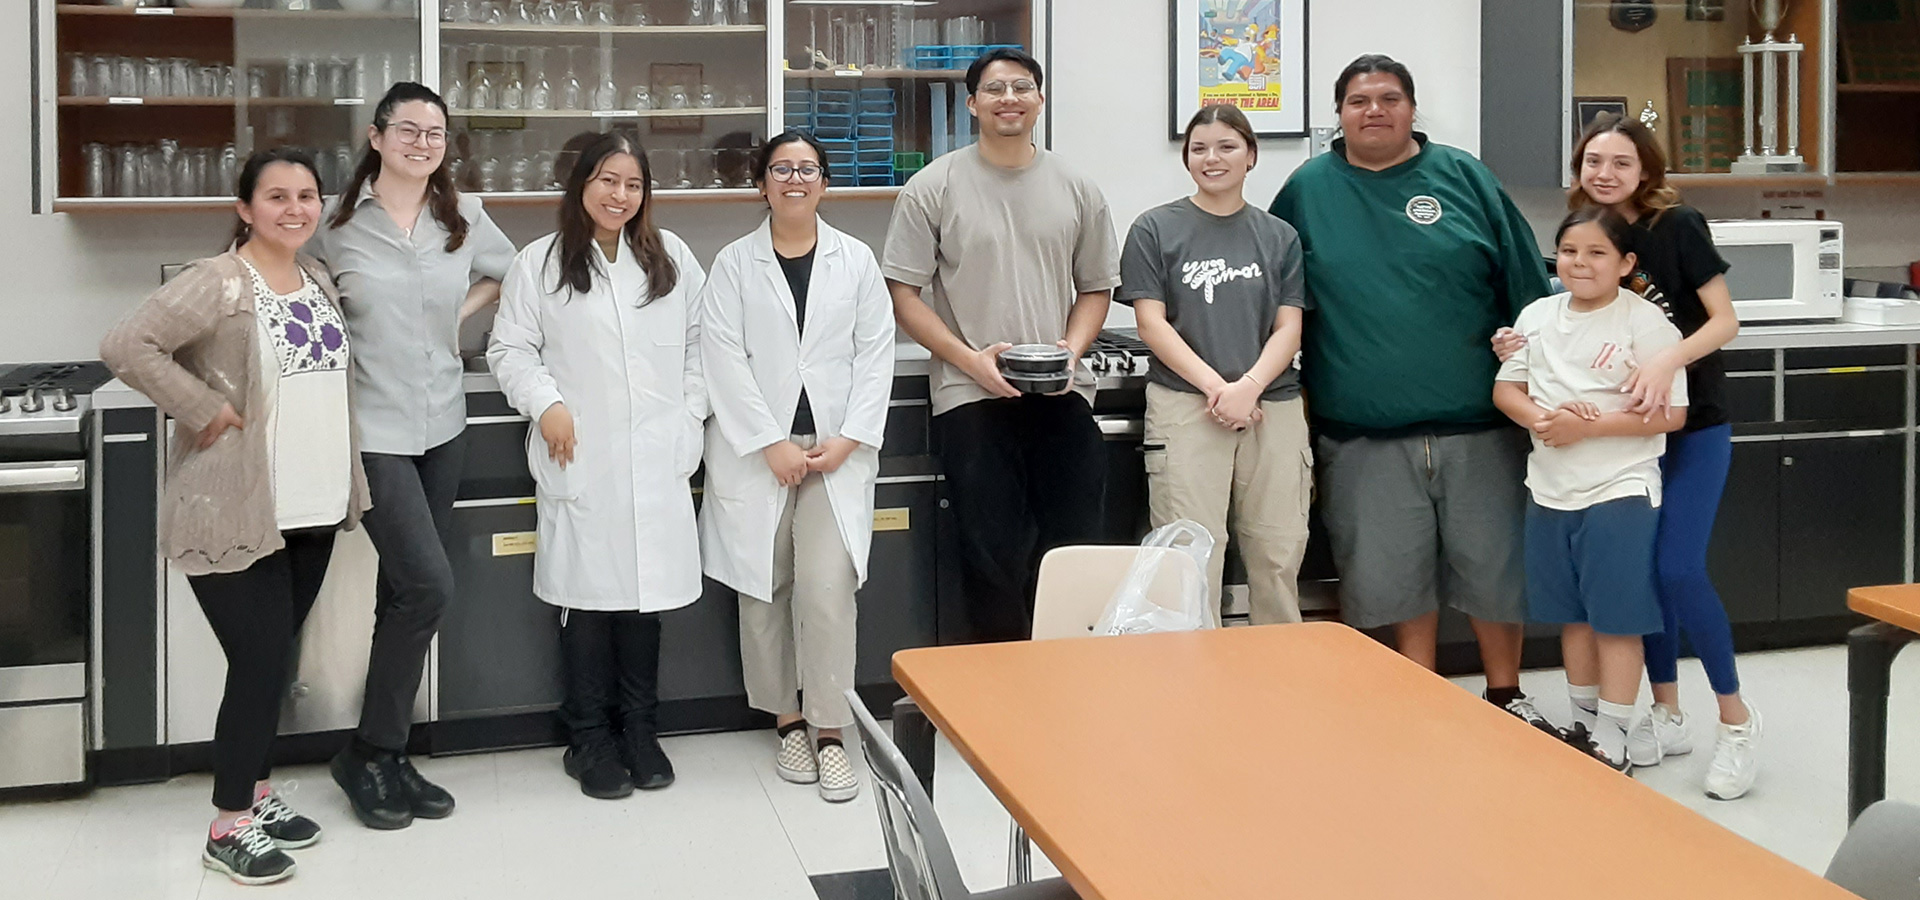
[799,272]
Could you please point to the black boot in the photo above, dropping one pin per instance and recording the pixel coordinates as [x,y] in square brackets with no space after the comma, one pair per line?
[636,641]
[593,761]
[371,779]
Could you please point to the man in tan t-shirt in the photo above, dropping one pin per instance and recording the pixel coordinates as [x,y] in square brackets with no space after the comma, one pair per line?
[997,244]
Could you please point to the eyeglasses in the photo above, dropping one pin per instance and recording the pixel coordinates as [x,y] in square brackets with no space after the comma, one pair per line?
[409,133]
[803,172]
[1022,88]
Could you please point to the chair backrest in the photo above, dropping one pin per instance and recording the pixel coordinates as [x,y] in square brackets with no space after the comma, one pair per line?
[1076,582]
[1880,857]
[918,855]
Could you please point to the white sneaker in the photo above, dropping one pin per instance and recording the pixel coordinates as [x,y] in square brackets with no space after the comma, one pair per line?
[838,783]
[1658,736]
[795,761]
[1734,763]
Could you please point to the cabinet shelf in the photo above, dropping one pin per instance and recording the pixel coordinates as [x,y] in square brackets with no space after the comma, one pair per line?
[149,12]
[711,195]
[479,28]
[212,101]
[889,74]
[606,113]
[1877,88]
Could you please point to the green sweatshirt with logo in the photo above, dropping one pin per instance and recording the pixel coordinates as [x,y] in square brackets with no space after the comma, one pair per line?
[1409,271]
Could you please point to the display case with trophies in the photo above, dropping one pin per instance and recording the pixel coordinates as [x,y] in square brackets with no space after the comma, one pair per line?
[1733,88]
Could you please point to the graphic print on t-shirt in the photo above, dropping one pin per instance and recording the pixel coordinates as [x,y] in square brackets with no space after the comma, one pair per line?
[1206,274]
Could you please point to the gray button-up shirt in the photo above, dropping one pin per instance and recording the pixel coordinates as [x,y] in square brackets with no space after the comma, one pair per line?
[402,297]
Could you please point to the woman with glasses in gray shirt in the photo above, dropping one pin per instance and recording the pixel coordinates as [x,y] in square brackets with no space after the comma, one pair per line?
[411,257]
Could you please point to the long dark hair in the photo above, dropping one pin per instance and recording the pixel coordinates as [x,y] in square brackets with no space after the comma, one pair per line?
[1655,195]
[1225,114]
[573,252]
[250,179]
[443,200]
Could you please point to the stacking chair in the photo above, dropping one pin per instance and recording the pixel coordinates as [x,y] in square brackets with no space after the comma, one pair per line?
[1880,857]
[918,855]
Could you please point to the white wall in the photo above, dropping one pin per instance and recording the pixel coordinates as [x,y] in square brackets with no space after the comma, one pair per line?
[73,275]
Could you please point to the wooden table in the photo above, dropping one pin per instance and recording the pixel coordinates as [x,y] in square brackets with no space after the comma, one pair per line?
[1306,761]
[1871,649]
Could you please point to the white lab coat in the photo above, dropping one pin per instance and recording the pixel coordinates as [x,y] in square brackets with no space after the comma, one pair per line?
[756,362]
[617,529]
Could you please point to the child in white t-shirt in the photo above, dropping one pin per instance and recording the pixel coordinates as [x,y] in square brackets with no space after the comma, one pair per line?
[1594,474]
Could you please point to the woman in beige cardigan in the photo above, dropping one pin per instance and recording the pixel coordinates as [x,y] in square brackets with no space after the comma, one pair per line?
[247,352]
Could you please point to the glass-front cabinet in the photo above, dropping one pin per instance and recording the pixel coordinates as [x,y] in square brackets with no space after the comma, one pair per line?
[526,78]
[882,83]
[1732,87]
[153,103]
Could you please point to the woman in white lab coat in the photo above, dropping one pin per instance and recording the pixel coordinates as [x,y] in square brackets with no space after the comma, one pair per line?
[597,340]
[797,338]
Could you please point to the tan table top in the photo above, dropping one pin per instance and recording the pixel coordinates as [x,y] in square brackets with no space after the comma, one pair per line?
[1894,604]
[1306,761]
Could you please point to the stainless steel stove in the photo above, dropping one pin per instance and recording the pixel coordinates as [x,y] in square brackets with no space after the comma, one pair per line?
[46,570]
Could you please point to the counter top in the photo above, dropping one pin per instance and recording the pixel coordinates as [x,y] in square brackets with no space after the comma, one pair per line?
[1822,334]
[908,359]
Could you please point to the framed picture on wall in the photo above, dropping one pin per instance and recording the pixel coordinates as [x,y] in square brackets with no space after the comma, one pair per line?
[1250,53]
[1587,109]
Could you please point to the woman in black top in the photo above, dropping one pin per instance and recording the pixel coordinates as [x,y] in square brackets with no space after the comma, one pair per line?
[1619,164]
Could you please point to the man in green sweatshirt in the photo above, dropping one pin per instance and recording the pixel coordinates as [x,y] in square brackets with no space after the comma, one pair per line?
[1414,255]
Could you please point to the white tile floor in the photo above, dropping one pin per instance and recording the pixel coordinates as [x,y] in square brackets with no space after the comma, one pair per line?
[731,828]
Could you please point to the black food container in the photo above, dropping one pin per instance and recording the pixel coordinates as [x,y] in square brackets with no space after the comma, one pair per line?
[1037,368]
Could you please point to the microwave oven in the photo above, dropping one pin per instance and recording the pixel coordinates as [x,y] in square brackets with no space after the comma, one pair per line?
[1782,268]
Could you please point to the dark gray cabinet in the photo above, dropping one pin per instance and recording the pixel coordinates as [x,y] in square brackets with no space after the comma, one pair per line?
[895,612]
[1522,69]
[1841,524]
[1744,556]
[499,645]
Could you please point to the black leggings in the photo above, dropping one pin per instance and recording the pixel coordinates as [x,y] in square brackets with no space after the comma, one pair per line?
[256,614]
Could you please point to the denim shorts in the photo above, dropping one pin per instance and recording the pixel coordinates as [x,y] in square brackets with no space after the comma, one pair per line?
[1594,566]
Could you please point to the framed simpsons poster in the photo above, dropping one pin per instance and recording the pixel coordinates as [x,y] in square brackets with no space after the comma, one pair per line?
[1250,53]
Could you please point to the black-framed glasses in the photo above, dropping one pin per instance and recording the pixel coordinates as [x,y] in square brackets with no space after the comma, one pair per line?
[409,133]
[805,172]
[1023,88]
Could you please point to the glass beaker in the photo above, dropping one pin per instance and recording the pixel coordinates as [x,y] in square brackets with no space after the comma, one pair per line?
[548,12]
[638,16]
[696,12]
[639,97]
[677,97]
[601,14]
[127,81]
[79,75]
[708,98]
[453,76]
[719,13]
[574,13]
[153,77]
[98,178]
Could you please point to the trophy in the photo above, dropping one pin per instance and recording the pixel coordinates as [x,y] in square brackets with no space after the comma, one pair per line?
[1775,60]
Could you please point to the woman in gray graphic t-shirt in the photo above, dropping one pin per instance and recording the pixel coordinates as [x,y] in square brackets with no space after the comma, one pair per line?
[1217,288]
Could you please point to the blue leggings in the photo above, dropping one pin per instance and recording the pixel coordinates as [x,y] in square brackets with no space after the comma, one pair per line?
[1694,472]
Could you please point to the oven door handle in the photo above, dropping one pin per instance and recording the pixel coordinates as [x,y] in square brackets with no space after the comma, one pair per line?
[37,477]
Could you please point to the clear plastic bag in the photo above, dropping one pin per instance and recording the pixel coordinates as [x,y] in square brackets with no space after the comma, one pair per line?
[1138,608]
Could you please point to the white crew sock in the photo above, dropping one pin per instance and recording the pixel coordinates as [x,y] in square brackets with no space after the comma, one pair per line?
[1584,699]
[1610,732]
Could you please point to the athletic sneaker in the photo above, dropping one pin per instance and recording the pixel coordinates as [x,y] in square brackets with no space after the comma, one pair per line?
[838,784]
[1734,763]
[1523,709]
[247,855]
[289,830]
[795,761]
[1658,736]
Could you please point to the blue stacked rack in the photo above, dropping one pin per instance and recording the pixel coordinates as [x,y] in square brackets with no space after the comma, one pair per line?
[855,127]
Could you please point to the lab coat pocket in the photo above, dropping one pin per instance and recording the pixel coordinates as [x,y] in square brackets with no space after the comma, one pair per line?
[552,481]
[690,447]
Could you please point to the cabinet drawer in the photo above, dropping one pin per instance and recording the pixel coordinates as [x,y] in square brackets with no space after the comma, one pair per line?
[1750,400]
[1844,357]
[1747,360]
[1853,400]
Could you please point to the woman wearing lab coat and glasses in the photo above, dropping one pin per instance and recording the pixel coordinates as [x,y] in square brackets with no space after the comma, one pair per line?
[597,340]
[798,345]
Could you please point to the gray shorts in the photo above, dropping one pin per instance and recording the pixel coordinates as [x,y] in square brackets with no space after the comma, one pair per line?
[1421,520]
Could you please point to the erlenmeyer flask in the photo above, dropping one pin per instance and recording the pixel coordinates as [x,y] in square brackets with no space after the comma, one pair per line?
[513,87]
[606,94]
[539,92]
[571,94]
